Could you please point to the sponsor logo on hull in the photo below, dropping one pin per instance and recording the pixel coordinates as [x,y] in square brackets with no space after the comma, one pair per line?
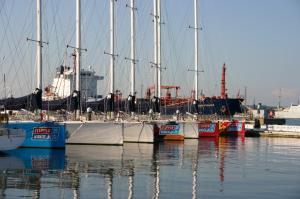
[45,133]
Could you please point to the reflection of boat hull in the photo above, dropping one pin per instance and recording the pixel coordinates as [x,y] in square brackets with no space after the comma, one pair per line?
[32,158]
[11,138]
[88,157]
[221,128]
[94,132]
[40,134]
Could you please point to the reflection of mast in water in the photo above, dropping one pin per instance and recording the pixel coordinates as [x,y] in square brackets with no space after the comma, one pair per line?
[109,183]
[157,188]
[3,184]
[130,182]
[223,143]
[194,174]
[75,183]
[222,163]
[190,155]
[37,191]
[155,169]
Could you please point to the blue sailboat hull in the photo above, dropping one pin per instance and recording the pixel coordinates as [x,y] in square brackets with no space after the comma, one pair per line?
[41,134]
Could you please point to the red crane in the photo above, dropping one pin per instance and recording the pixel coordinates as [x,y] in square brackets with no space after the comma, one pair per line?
[223,83]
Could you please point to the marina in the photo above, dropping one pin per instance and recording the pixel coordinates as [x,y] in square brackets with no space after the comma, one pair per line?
[127,99]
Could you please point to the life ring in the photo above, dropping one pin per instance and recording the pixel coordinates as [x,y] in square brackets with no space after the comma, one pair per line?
[223,109]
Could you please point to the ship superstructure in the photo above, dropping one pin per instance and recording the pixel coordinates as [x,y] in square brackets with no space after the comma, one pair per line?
[64,83]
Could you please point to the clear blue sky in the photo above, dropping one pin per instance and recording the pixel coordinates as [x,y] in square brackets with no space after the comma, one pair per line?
[258,40]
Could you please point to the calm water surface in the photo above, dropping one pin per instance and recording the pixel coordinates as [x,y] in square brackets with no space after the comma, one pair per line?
[208,168]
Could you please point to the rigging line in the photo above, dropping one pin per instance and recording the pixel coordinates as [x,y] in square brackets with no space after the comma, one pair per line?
[206,40]
[102,23]
[28,31]
[21,54]
[172,42]
[140,46]
[46,52]
[7,24]
[124,50]
[139,49]
[63,41]
[56,7]
[21,38]
[106,35]
[2,6]
[11,33]
[88,19]
[71,26]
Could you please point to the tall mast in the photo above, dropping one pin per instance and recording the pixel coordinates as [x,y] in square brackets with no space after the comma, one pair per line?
[155,47]
[196,47]
[112,46]
[111,53]
[39,45]
[158,49]
[132,31]
[77,50]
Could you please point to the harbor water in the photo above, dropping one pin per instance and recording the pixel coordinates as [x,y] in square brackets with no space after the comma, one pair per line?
[205,168]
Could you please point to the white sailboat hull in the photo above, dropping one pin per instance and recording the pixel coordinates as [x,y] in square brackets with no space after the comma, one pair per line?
[11,138]
[139,132]
[94,132]
[190,129]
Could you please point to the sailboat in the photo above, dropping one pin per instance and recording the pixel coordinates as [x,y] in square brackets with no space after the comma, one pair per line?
[37,133]
[94,131]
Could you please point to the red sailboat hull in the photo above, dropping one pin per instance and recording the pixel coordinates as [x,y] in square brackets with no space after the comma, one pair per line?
[221,128]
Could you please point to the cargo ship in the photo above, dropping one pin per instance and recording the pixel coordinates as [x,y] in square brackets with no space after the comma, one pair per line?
[217,105]
[59,96]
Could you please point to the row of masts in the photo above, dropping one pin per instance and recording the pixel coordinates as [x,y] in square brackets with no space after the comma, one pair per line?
[157,47]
